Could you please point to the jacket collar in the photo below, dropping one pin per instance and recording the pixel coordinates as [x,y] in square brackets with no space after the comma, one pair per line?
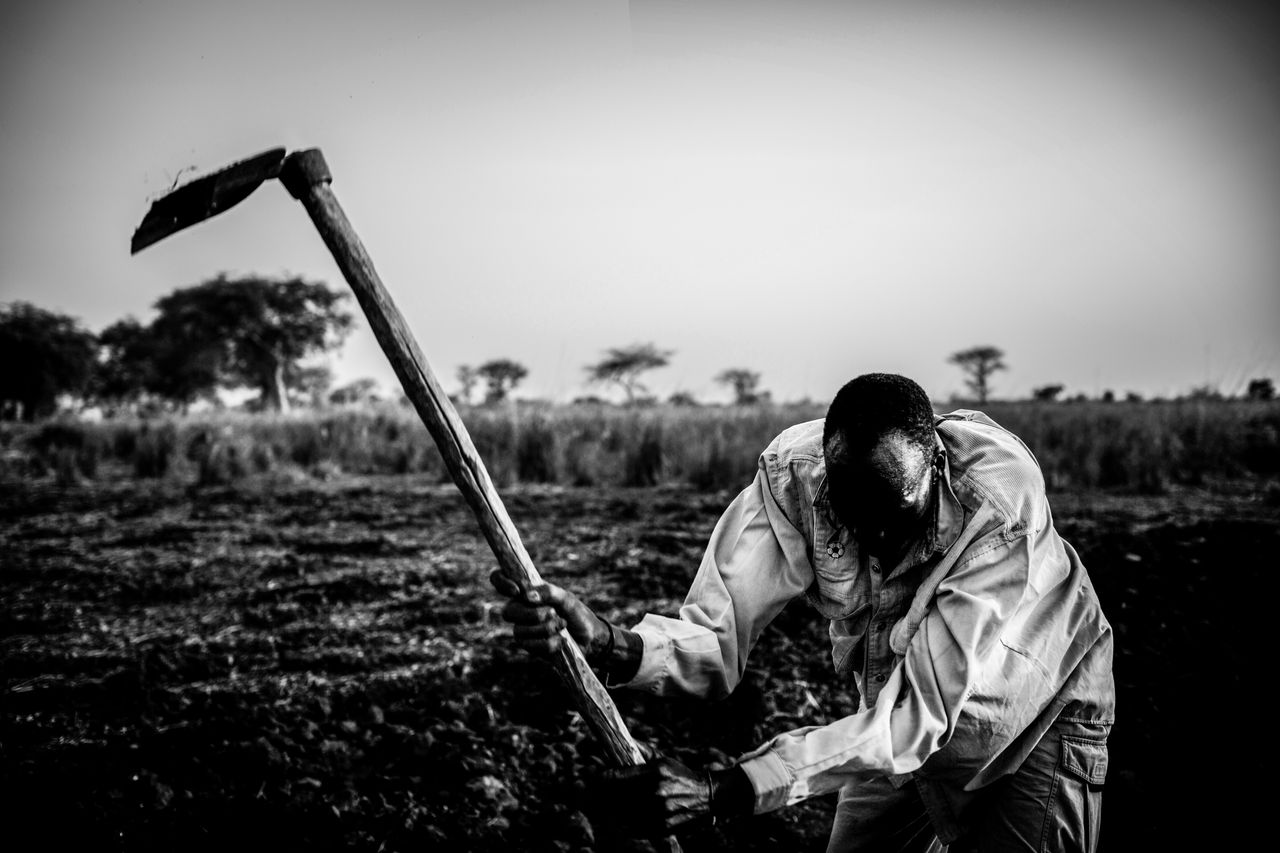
[950,519]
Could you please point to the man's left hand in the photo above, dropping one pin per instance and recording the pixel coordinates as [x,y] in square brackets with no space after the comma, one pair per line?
[659,797]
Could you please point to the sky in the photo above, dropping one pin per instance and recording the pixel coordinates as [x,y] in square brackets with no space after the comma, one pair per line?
[810,190]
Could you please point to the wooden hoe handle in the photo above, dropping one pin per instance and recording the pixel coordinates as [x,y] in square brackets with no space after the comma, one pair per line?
[306,176]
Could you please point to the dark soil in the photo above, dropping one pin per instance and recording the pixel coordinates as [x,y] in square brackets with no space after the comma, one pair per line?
[320,666]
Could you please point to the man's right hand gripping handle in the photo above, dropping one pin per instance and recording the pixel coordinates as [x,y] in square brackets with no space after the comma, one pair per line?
[538,614]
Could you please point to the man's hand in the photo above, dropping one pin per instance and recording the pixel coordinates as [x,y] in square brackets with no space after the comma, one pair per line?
[665,795]
[653,799]
[539,613]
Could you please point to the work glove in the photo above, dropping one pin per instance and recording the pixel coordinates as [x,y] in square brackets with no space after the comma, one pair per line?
[658,798]
[538,613]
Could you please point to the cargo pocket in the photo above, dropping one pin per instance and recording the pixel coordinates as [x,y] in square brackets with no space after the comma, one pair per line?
[1073,817]
[1085,759]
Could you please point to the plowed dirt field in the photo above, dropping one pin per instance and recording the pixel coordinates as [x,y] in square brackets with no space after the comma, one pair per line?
[319,666]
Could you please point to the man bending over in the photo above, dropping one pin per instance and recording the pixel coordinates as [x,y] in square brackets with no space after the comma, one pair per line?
[969,628]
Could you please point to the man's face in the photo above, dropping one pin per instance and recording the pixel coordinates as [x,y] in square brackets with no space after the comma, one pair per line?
[881,495]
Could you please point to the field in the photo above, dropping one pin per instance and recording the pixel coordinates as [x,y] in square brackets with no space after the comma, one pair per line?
[1142,448]
[308,657]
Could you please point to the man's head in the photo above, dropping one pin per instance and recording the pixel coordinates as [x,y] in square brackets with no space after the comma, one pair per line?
[879,443]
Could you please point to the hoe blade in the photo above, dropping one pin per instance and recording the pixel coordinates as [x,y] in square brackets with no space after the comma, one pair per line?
[205,197]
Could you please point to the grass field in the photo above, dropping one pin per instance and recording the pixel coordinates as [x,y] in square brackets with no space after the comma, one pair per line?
[1142,448]
[301,654]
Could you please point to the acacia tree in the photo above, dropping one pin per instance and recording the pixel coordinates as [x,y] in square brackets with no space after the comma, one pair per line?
[1047,393]
[623,366]
[978,363]
[45,354]
[501,376]
[245,331]
[743,382]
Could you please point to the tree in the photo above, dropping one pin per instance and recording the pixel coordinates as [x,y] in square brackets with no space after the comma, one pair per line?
[743,382]
[309,386]
[45,355]
[623,366]
[682,398]
[126,366]
[501,376]
[246,331]
[1047,393]
[1261,389]
[1205,392]
[978,363]
[467,379]
[183,369]
[358,391]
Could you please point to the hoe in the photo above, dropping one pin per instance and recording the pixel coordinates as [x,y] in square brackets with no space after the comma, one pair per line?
[306,176]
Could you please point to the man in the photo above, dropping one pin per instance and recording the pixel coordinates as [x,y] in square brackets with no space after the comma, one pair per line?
[971,630]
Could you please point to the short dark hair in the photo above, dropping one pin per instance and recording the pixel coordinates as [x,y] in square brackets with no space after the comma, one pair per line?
[873,405]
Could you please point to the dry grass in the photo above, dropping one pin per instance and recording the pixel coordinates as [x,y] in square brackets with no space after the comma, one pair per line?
[1142,448]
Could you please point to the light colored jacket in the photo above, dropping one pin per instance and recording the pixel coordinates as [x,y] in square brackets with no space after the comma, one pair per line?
[963,653]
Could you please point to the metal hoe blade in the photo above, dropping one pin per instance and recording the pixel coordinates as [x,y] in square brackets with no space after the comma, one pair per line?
[205,197]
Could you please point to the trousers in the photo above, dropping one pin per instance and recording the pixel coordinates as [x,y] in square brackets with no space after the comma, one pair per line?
[1051,804]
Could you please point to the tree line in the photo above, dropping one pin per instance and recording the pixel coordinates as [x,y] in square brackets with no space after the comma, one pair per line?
[980,363]
[248,332]
[621,367]
[225,332]
[266,334]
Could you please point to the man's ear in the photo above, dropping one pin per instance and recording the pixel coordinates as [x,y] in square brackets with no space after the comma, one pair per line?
[839,447]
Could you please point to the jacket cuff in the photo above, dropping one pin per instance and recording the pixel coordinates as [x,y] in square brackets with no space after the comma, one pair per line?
[769,777]
[653,663]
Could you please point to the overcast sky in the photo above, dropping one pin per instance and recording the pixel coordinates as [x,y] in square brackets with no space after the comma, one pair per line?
[809,190]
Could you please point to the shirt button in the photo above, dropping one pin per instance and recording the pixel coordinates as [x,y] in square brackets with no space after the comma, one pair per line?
[875,567]
[879,679]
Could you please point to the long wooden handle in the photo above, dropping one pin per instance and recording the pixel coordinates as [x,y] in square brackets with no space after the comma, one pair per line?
[307,178]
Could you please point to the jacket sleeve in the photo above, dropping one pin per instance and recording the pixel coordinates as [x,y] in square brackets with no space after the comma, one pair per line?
[755,562]
[924,694]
